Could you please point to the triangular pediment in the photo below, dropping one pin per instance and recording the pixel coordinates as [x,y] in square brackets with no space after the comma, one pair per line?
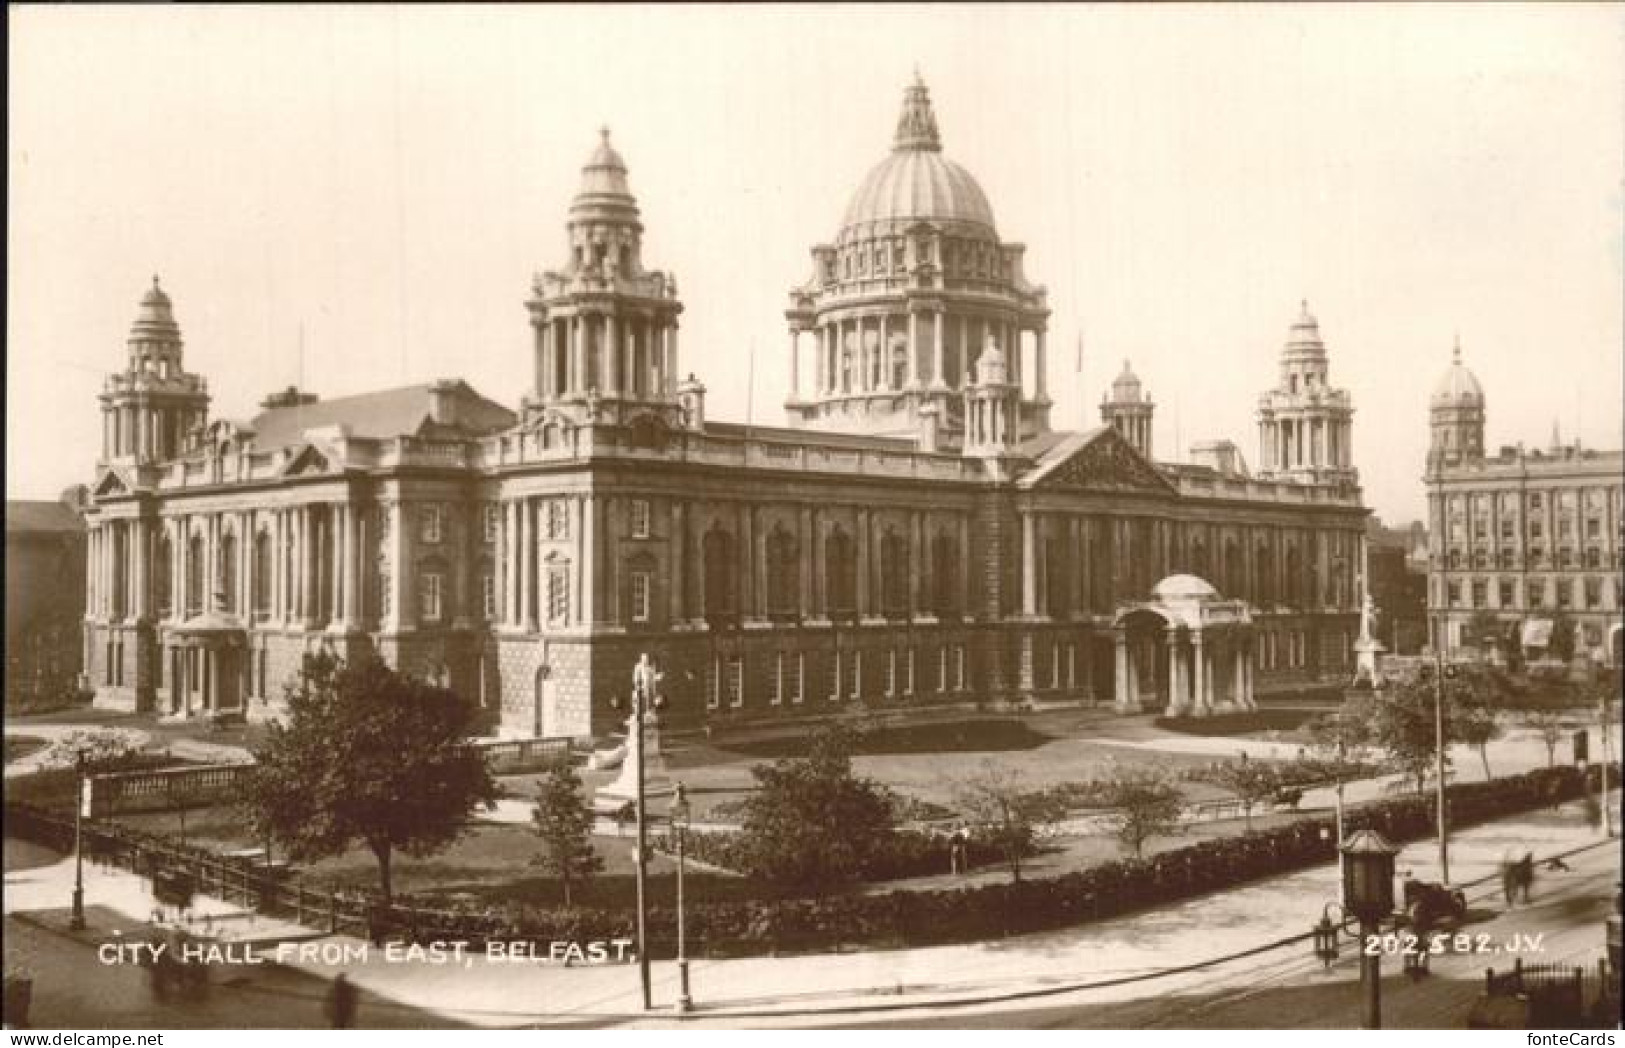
[1098,461]
[110,485]
[306,462]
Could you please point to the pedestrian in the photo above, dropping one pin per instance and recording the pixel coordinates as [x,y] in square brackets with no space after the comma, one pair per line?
[341,1001]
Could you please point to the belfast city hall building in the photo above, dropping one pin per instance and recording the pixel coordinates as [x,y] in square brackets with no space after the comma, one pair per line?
[915,534]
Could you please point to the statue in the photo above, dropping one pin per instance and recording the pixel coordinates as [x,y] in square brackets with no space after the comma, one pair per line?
[1367,647]
[640,745]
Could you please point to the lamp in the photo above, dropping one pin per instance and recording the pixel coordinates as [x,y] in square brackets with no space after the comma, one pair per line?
[679,816]
[1368,893]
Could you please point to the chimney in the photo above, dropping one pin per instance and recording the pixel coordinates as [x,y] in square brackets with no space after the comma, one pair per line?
[443,403]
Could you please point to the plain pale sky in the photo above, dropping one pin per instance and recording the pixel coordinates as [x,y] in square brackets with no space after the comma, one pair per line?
[387,180]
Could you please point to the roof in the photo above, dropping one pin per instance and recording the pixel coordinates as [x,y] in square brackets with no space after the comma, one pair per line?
[382,415]
[1458,387]
[41,518]
[916,181]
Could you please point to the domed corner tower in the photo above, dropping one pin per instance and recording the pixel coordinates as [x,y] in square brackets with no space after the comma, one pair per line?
[1305,425]
[901,304]
[1129,410]
[1456,416]
[152,409]
[606,327]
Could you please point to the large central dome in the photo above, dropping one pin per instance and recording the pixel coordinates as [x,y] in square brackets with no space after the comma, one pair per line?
[916,182]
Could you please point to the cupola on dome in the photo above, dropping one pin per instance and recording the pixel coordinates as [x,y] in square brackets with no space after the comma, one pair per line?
[916,182]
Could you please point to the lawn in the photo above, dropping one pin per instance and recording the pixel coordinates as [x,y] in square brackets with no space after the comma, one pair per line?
[1269,723]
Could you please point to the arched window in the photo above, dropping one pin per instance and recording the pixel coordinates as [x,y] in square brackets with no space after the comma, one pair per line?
[944,575]
[841,573]
[262,573]
[1234,573]
[893,574]
[721,589]
[783,572]
[161,581]
[194,575]
[1263,571]
[228,573]
[1294,578]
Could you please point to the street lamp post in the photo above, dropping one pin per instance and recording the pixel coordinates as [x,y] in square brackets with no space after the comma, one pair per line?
[679,822]
[1438,754]
[77,920]
[641,863]
[1368,888]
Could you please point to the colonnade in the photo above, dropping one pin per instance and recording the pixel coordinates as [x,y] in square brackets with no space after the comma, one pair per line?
[614,354]
[880,352]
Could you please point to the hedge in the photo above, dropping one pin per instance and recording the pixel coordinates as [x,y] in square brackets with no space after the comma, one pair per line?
[978,913]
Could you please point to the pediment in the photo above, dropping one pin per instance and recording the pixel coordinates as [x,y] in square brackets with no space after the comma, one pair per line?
[1103,461]
[110,485]
[307,461]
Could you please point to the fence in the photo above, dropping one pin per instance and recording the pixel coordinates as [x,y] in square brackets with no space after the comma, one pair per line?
[165,789]
[1556,992]
[515,756]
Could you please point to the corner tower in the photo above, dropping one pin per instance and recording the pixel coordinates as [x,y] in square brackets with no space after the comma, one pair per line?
[1456,416]
[151,409]
[900,306]
[1128,410]
[606,327]
[1305,426]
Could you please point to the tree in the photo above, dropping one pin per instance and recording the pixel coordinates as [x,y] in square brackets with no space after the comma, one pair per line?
[564,823]
[999,809]
[1404,722]
[367,755]
[1561,645]
[1145,803]
[1548,724]
[1483,630]
[1477,725]
[812,825]
[1251,781]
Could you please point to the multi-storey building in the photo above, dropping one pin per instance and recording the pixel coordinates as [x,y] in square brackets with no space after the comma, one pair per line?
[918,534]
[1526,537]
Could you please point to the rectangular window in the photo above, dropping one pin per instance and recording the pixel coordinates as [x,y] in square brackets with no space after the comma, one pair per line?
[1535,501]
[558,594]
[736,681]
[1508,595]
[1593,589]
[493,521]
[857,674]
[1480,593]
[1506,528]
[1071,666]
[942,668]
[641,583]
[430,532]
[1054,665]
[778,679]
[835,679]
[430,597]
[1565,593]
[1593,528]
[1565,528]
[1455,595]
[640,518]
[891,673]
[799,681]
[713,693]
[908,679]
[959,667]
[488,595]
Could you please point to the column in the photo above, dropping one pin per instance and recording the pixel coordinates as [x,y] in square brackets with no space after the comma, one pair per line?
[820,571]
[966,570]
[795,363]
[888,376]
[1029,566]
[609,362]
[677,587]
[671,355]
[1041,363]
[1238,685]
[589,559]
[939,320]
[865,559]
[916,354]
[1201,701]
[915,559]
[525,564]
[352,565]
[804,558]
[1120,683]
[1176,692]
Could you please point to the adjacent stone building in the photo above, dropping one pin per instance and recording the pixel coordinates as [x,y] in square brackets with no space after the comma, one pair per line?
[1528,537]
[45,591]
[917,534]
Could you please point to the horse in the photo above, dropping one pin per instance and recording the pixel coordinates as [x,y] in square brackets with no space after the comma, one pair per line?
[1517,875]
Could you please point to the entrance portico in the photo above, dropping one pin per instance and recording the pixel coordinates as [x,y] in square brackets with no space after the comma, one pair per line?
[1192,647]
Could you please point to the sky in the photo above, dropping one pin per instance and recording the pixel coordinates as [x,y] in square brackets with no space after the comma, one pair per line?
[377,185]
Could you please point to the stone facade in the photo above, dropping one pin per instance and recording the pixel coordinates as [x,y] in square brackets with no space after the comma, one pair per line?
[951,549]
[1524,536]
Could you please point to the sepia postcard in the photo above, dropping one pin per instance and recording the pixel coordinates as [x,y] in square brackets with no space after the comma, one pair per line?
[813,516]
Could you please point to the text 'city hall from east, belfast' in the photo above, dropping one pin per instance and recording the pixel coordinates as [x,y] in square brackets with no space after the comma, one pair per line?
[918,534]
